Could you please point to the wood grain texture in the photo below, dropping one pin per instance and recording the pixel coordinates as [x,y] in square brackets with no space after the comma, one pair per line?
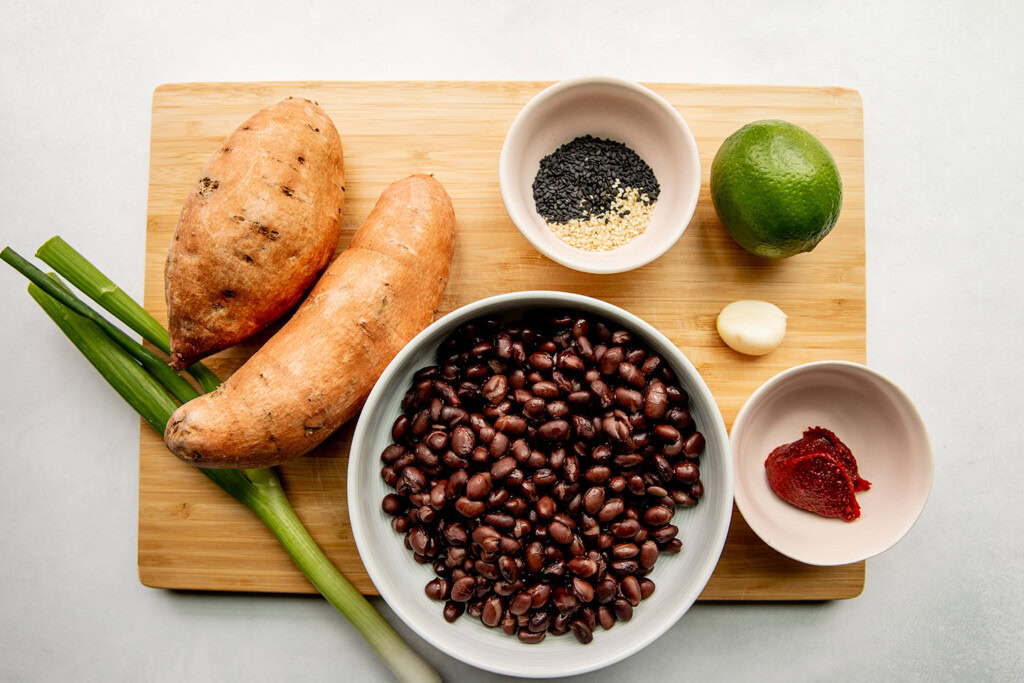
[193,536]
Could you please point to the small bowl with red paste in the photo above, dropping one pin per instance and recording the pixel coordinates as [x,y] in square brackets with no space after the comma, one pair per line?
[832,463]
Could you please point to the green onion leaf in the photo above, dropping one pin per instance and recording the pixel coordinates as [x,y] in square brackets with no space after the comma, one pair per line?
[135,385]
[70,264]
[177,385]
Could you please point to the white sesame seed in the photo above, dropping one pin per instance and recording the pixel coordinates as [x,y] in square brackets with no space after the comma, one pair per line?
[627,218]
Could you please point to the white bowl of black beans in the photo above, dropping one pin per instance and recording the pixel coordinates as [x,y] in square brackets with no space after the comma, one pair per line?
[540,484]
[600,174]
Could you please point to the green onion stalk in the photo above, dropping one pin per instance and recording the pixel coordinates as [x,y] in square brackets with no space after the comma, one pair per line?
[128,367]
[60,256]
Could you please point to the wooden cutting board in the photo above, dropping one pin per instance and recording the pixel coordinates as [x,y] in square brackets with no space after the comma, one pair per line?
[193,536]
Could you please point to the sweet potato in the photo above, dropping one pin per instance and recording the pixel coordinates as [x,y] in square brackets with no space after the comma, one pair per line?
[315,373]
[256,229]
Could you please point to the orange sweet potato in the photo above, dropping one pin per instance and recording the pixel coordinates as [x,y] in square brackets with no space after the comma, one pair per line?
[315,373]
[256,229]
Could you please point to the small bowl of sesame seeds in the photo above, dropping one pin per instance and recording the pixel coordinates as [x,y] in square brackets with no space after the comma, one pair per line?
[600,174]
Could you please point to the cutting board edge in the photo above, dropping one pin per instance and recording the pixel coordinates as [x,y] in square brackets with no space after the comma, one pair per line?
[851,589]
[169,86]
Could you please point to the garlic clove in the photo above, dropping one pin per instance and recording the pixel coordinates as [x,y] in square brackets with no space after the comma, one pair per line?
[752,327]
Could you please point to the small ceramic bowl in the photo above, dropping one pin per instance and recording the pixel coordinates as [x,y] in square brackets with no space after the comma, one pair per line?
[879,424]
[400,580]
[608,108]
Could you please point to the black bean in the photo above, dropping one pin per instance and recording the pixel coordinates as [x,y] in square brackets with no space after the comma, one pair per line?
[545,507]
[539,622]
[436,440]
[563,600]
[679,418]
[597,474]
[508,624]
[510,424]
[602,392]
[623,610]
[694,444]
[630,587]
[648,554]
[470,508]
[437,589]
[593,500]
[625,551]
[497,519]
[657,516]
[571,469]
[453,610]
[623,567]
[582,631]
[560,532]
[541,360]
[631,375]
[565,479]
[400,428]
[666,433]
[627,528]
[391,454]
[665,534]
[534,557]
[446,393]
[508,569]
[611,359]
[495,388]
[462,589]
[531,638]
[411,480]
[636,485]
[392,504]
[478,486]
[583,567]
[611,509]
[488,570]
[520,603]
[686,472]
[682,499]
[463,440]
[492,611]
[545,390]
[554,430]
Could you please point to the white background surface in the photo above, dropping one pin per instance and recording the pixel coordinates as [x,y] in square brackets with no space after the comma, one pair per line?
[941,83]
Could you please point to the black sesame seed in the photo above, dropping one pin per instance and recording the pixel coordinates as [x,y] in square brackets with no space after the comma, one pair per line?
[582,178]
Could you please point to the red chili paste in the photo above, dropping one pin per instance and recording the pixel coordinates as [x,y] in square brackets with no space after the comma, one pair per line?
[817,473]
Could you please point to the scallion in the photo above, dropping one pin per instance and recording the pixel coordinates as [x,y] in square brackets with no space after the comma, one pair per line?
[77,270]
[174,383]
[259,490]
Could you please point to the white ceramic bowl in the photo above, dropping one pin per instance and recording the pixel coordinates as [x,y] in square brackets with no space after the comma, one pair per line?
[879,424]
[607,108]
[400,580]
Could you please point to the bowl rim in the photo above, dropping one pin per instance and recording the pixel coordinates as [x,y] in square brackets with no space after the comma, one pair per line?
[754,521]
[361,528]
[581,264]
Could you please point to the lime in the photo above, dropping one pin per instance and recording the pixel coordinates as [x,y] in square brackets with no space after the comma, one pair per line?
[776,188]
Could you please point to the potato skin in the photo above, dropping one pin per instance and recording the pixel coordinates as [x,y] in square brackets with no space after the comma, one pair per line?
[256,229]
[316,372]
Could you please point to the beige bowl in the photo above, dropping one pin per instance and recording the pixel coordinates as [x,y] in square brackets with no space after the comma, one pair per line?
[606,108]
[879,424]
